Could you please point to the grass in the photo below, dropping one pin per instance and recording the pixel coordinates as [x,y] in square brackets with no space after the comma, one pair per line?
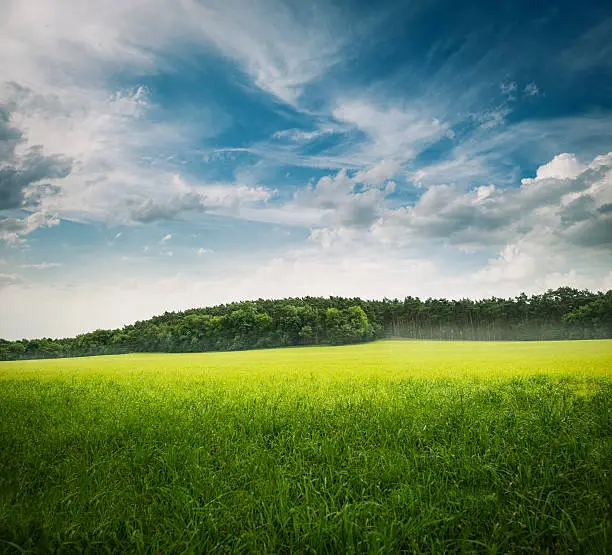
[384,447]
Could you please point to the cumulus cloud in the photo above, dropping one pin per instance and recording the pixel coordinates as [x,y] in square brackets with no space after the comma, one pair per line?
[150,211]
[348,201]
[106,136]
[379,173]
[18,172]
[563,166]
[57,85]
[222,199]
[565,196]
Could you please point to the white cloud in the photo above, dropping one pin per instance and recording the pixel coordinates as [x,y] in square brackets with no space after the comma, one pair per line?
[565,203]
[55,80]
[105,135]
[562,166]
[342,202]
[487,156]
[334,200]
[531,89]
[378,174]
[220,199]
[8,280]
[555,226]
[13,230]
[494,118]
[508,89]
[393,133]
[301,135]
[282,47]
[41,265]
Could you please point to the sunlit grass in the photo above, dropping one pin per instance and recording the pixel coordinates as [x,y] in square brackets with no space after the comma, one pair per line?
[421,446]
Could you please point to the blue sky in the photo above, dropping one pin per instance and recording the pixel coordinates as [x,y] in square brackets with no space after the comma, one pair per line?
[167,154]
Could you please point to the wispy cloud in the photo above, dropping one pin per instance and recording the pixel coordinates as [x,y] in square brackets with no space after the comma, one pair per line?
[6,280]
[591,50]
[13,230]
[301,135]
[392,132]
[531,89]
[282,47]
[41,265]
[509,89]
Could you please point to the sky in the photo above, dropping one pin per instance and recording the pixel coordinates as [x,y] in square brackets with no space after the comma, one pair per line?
[167,154]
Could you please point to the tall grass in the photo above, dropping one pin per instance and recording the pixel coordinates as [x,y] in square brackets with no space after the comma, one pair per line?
[416,446]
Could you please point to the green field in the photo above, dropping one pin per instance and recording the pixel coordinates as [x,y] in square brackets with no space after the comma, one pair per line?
[380,447]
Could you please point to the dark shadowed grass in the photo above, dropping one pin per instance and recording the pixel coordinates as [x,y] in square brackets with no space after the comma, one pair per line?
[99,463]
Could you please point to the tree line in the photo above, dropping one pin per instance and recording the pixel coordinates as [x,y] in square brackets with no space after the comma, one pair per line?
[564,313]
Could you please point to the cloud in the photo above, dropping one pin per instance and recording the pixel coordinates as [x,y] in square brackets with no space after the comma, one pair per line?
[592,50]
[20,171]
[378,174]
[282,47]
[12,230]
[531,89]
[41,266]
[393,133]
[508,89]
[492,156]
[566,203]
[97,138]
[562,166]
[346,200]
[301,135]
[59,82]
[7,280]
[494,118]
[150,211]
[222,199]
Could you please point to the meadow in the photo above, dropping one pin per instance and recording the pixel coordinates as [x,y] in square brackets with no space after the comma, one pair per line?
[417,446]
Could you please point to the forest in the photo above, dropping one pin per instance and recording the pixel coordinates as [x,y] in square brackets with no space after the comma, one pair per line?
[564,313]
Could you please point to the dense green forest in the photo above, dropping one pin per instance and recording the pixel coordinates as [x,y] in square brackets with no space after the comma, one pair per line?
[564,313]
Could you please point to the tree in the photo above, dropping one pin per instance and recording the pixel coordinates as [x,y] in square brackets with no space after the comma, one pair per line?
[556,314]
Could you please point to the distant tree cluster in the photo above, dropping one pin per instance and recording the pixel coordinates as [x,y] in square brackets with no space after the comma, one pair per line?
[564,313]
